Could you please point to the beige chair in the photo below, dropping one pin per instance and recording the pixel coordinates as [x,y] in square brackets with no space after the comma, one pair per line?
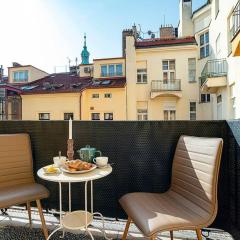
[191,201]
[17,185]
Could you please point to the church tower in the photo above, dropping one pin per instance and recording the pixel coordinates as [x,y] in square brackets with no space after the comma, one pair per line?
[85,54]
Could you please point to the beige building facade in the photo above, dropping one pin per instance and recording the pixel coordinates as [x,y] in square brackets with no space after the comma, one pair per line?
[187,73]
[216,29]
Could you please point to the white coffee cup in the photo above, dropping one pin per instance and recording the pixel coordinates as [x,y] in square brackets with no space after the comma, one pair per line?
[59,161]
[101,161]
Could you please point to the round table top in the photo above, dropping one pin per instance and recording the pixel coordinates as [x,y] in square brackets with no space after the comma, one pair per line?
[73,177]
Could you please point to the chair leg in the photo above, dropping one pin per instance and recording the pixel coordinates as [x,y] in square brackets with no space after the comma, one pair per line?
[171,235]
[44,227]
[29,212]
[199,234]
[153,237]
[124,237]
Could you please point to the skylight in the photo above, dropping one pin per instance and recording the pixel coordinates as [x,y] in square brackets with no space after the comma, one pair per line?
[29,87]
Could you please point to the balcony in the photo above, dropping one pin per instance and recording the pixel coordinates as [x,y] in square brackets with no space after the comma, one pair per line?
[141,153]
[112,74]
[214,75]
[164,88]
[236,30]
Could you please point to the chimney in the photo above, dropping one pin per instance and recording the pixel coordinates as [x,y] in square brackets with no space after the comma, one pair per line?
[185,22]
[15,64]
[125,33]
[167,32]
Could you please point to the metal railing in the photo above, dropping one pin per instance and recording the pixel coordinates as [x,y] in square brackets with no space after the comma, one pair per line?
[166,85]
[236,19]
[113,74]
[214,68]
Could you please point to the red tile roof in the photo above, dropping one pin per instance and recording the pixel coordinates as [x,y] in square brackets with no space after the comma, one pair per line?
[69,83]
[165,42]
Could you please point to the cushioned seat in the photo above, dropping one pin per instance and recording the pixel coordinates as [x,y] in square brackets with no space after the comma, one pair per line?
[22,193]
[17,184]
[191,202]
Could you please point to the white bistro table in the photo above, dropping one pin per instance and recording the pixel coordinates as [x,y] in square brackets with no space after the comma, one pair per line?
[77,220]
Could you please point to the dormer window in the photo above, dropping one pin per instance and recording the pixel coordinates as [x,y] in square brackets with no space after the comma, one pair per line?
[20,76]
[111,70]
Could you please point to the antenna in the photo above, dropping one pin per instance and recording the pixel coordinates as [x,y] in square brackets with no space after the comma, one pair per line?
[164,20]
[69,62]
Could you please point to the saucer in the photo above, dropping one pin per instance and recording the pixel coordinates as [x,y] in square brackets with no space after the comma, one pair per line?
[100,166]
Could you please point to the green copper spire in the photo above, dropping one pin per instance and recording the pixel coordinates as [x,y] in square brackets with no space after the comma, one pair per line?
[85,54]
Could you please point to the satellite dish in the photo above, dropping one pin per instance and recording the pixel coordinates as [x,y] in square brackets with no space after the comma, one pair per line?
[149,32]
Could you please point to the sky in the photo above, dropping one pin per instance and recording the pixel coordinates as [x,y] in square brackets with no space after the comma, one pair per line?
[46,33]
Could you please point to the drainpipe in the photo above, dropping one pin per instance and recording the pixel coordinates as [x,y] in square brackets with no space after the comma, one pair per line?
[80,106]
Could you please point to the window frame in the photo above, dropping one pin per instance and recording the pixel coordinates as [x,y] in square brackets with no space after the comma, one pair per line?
[107,95]
[169,73]
[110,118]
[207,97]
[142,77]
[169,112]
[95,95]
[68,113]
[20,79]
[192,111]
[204,45]
[192,70]
[114,72]
[44,119]
[93,114]
[142,114]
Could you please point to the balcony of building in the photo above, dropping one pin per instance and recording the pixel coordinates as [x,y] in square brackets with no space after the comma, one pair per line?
[214,75]
[236,30]
[165,88]
[141,155]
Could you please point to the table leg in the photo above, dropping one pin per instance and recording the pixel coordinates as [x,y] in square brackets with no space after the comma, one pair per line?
[60,202]
[69,198]
[86,205]
[91,196]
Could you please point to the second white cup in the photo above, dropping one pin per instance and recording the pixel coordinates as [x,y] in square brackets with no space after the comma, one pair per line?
[101,161]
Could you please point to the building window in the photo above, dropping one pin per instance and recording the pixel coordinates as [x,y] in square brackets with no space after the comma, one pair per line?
[108,116]
[20,76]
[204,45]
[193,111]
[108,95]
[142,75]
[169,115]
[95,95]
[44,116]
[205,98]
[219,99]
[168,67]
[119,70]
[218,48]
[142,114]
[104,70]
[67,116]
[216,8]
[95,116]
[192,69]
[111,70]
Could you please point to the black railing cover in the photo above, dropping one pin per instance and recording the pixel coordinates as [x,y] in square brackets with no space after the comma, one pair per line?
[142,154]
